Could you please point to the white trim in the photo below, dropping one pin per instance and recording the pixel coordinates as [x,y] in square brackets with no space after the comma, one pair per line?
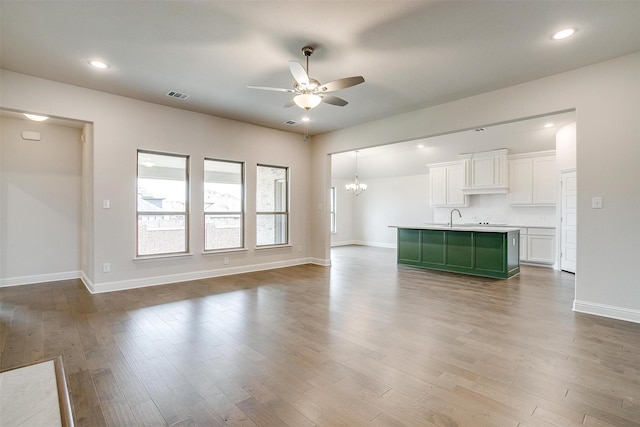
[321,262]
[376,244]
[40,278]
[97,288]
[158,280]
[603,310]
[87,282]
[363,243]
[161,257]
[344,243]
[266,247]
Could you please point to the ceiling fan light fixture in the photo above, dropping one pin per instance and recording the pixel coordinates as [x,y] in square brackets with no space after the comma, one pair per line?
[307,101]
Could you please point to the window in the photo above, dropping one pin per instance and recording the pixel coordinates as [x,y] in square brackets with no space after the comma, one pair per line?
[272,205]
[332,208]
[223,205]
[163,204]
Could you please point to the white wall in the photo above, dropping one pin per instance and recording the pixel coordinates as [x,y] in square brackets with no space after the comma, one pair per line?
[390,201]
[566,147]
[40,187]
[120,127]
[606,98]
[365,219]
[345,200]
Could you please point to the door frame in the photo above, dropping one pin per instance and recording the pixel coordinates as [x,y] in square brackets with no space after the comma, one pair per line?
[560,233]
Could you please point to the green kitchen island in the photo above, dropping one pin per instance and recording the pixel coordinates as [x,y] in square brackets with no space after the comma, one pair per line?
[476,250]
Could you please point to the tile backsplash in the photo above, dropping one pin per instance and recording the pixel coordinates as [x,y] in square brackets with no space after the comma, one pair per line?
[494,209]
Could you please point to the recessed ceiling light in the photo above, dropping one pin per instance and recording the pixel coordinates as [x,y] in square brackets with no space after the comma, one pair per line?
[563,34]
[305,119]
[548,125]
[98,64]
[421,146]
[35,117]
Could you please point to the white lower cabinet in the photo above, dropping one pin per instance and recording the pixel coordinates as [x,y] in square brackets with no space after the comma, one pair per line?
[523,244]
[537,245]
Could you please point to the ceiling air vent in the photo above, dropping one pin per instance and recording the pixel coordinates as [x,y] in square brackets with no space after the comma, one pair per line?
[178,95]
[291,123]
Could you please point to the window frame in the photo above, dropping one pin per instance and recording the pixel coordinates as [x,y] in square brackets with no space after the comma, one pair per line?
[242,212]
[185,214]
[286,207]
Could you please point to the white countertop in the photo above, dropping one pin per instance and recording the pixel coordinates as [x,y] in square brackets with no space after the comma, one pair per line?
[460,227]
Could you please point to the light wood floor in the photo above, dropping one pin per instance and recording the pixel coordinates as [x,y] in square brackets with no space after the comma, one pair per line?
[362,343]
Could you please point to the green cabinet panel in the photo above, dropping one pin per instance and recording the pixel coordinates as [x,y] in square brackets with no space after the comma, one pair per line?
[408,245]
[433,247]
[490,251]
[459,247]
[482,253]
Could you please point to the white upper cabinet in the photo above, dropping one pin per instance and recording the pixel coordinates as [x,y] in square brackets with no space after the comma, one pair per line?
[520,182]
[485,173]
[445,182]
[532,179]
[544,180]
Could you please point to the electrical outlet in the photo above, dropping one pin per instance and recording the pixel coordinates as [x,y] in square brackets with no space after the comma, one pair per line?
[596,203]
[106,267]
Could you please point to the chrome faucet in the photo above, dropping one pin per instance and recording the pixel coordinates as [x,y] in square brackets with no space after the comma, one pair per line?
[451,216]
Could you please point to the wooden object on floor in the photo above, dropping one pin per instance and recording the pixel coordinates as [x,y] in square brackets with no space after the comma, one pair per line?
[363,343]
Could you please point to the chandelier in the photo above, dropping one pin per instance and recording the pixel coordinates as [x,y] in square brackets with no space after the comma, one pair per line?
[356,187]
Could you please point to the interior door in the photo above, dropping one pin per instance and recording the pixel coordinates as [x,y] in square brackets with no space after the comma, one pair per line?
[569,222]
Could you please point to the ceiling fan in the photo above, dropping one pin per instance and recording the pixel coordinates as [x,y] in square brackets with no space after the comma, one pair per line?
[309,92]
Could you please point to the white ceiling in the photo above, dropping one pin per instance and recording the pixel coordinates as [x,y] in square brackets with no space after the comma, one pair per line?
[412,54]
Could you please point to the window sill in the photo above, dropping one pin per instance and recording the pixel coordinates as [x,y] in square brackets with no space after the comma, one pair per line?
[287,245]
[224,251]
[161,257]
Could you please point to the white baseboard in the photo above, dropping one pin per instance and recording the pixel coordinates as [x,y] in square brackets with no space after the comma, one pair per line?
[87,282]
[157,280]
[40,278]
[363,243]
[603,310]
[121,285]
[321,262]
[344,243]
[376,244]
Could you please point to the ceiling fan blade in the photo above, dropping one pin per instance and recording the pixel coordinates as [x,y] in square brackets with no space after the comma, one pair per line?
[333,100]
[341,84]
[298,73]
[277,89]
[289,104]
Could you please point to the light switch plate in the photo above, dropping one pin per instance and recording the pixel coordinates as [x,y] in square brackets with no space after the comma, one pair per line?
[596,203]
[106,204]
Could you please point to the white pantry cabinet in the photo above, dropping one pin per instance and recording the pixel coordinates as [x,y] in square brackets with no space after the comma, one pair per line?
[445,183]
[485,173]
[532,179]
